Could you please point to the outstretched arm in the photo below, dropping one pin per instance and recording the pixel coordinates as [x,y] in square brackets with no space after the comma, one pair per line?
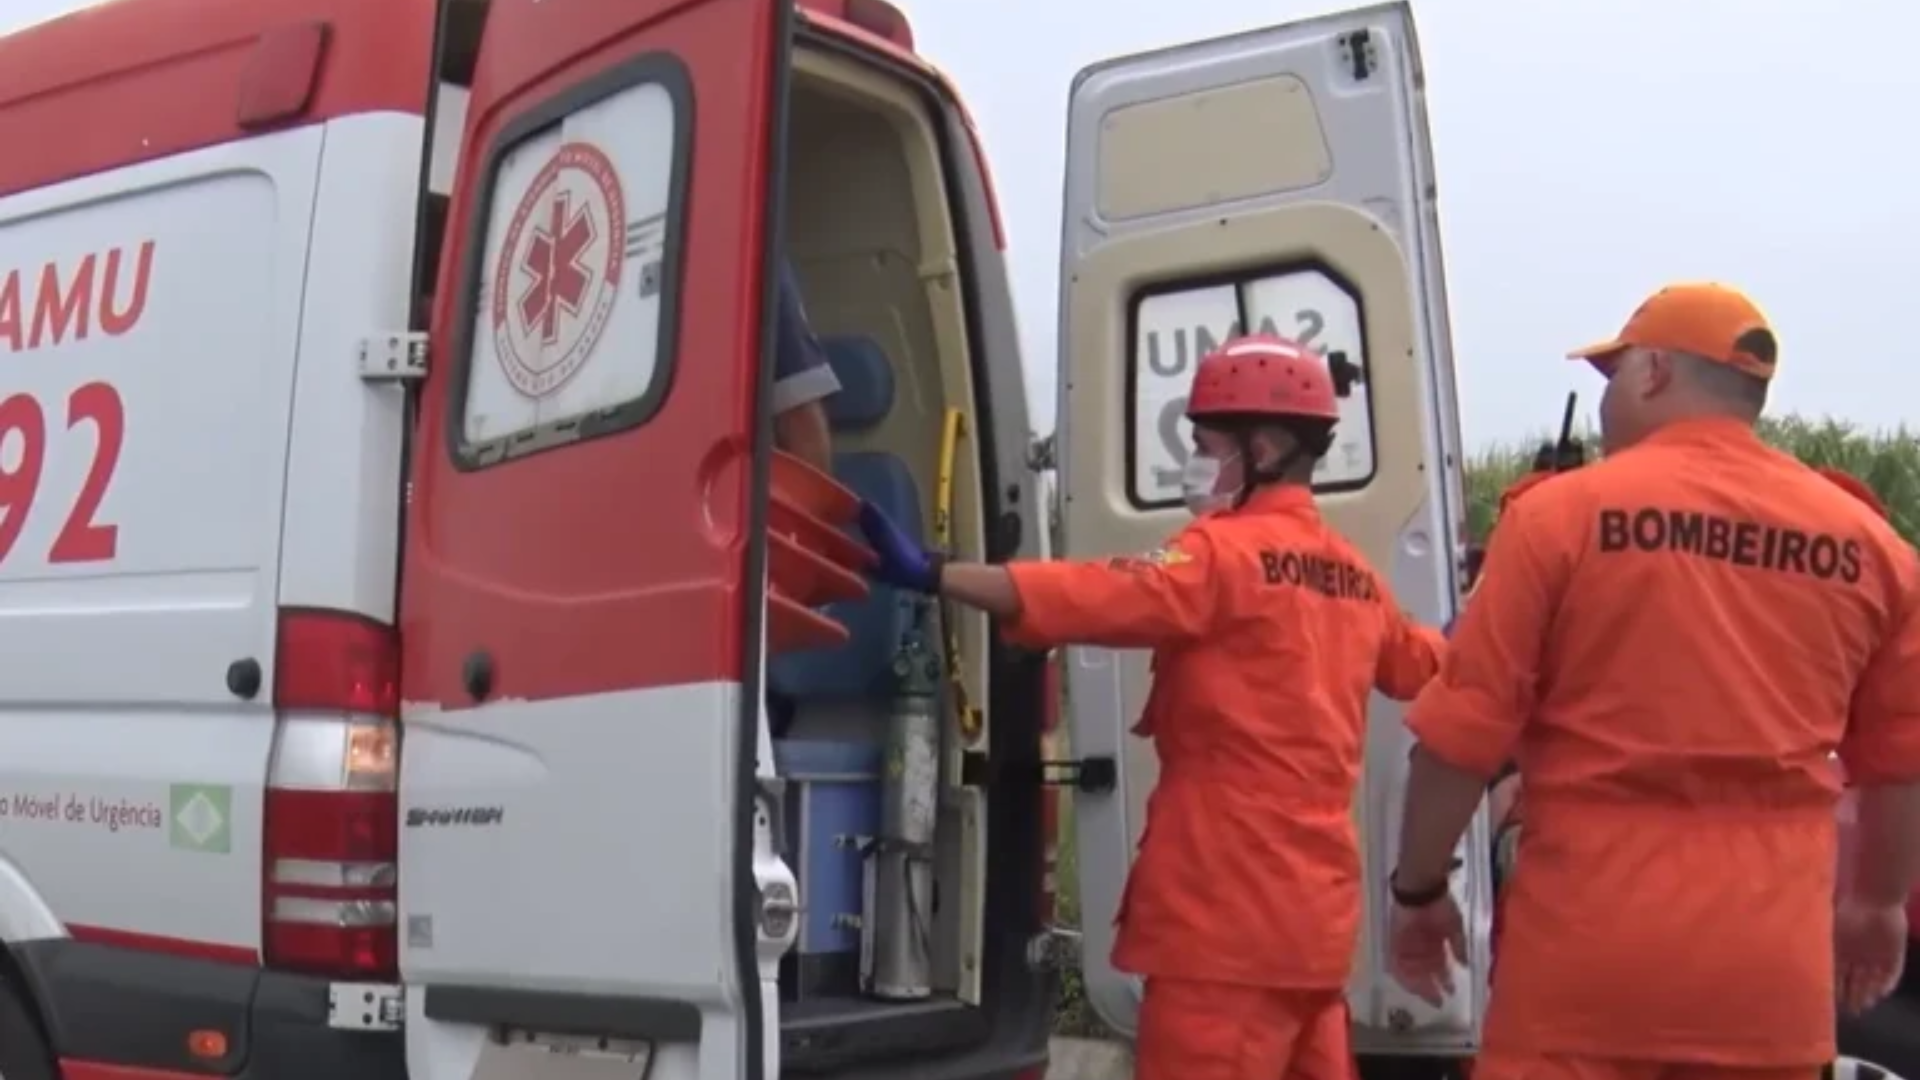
[1165,596]
[1160,598]
[978,585]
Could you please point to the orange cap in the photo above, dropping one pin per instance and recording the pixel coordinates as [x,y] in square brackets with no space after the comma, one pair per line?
[1713,322]
[1855,487]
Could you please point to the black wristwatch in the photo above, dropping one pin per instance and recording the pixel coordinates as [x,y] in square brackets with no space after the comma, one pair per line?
[1426,897]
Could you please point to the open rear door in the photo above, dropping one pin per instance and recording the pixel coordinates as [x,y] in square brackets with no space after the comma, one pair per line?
[1278,180]
[582,609]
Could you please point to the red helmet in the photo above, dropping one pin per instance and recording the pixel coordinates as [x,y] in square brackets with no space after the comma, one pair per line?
[1855,487]
[1263,375]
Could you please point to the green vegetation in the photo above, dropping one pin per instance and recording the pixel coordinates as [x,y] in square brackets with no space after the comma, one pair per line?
[1888,461]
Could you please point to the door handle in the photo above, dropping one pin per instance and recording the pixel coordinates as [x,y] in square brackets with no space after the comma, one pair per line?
[477,675]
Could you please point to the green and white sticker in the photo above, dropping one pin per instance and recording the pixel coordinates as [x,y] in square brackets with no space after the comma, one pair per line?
[199,818]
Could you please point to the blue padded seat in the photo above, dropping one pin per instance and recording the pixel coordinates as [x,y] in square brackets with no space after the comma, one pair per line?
[861,668]
[866,379]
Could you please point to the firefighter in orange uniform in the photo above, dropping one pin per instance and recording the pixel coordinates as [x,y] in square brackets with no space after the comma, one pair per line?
[1505,808]
[1674,643]
[1268,633]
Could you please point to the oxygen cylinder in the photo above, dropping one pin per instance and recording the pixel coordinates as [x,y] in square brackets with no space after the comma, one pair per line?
[896,946]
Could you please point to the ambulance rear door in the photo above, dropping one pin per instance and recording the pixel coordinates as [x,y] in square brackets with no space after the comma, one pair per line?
[1278,180]
[583,862]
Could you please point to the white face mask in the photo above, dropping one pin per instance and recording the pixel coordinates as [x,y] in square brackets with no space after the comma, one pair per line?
[1197,481]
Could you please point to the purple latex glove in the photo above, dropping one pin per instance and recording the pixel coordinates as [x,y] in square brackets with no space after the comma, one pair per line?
[902,563]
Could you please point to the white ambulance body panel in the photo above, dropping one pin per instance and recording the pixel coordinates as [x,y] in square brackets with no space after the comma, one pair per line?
[162,496]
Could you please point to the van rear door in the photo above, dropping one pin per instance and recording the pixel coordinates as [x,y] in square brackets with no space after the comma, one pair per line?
[1278,180]
[580,602]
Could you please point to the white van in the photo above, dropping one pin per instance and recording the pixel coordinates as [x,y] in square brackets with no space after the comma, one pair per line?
[1279,180]
[385,487]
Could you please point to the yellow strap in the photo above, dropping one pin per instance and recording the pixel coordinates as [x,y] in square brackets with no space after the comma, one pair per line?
[950,434]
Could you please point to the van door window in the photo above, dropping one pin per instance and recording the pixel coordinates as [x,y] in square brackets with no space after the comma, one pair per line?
[579,211]
[1173,326]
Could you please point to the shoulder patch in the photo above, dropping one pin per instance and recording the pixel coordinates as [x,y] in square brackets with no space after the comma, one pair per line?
[1168,556]
[1160,556]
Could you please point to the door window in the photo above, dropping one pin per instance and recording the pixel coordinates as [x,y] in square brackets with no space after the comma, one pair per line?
[572,327]
[1173,325]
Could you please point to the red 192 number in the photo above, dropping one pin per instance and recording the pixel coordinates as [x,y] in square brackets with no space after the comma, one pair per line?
[80,539]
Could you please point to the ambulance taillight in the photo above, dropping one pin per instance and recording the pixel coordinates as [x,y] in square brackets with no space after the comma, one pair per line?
[330,889]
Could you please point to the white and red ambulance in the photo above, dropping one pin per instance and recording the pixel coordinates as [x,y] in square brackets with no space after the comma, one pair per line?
[385,488]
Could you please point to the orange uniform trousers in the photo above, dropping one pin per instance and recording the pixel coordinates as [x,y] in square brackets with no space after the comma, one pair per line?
[1192,1030]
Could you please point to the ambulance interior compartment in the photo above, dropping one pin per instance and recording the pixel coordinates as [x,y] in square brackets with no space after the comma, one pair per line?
[872,241]
[869,237]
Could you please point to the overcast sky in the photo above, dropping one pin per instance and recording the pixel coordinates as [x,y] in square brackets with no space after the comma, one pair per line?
[1589,150]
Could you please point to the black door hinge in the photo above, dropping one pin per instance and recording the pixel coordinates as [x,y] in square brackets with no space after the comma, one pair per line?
[1092,775]
[976,770]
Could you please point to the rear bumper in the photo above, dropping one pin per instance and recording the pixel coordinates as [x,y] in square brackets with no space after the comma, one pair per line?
[292,1039]
[113,1005]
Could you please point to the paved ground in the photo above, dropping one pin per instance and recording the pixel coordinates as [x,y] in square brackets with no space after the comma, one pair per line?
[1088,1059]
